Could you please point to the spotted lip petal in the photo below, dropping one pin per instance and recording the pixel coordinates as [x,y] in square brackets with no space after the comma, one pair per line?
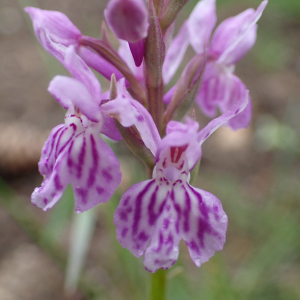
[166,209]
[77,155]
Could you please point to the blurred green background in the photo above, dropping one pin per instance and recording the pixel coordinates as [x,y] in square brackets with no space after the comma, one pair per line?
[254,172]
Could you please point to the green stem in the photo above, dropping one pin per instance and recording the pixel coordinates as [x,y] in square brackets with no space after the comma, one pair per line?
[158,285]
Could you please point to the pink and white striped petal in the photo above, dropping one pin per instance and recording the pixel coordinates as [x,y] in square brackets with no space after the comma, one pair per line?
[204,223]
[77,155]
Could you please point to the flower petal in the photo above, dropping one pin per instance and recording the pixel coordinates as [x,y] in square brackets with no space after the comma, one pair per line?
[234,31]
[201,23]
[234,110]
[130,112]
[109,129]
[204,223]
[79,70]
[136,215]
[226,34]
[216,88]
[175,53]
[68,91]
[60,29]
[77,155]
[128,19]
[94,170]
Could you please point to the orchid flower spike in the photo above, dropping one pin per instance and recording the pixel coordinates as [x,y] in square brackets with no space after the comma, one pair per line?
[154,215]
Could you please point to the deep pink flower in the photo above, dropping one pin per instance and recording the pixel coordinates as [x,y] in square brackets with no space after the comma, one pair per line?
[154,215]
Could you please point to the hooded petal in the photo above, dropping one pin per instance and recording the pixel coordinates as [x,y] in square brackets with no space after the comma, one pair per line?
[77,155]
[201,23]
[128,19]
[69,91]
[58,26]
[204,223]
[182,136]
[237,30]
[175,53]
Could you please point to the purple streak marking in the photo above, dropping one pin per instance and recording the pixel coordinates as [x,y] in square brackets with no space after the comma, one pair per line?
[186,212]
[94,169]
[138,207]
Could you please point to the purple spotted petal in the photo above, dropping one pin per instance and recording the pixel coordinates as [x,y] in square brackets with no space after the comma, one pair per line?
[163,250]
[77,155]
[136,215]
[204,223]
[175,54]
[243,24]
[184,137]
[60,29]
[201,23]
[128,19]
[94,169]
[69,91]
[234,110]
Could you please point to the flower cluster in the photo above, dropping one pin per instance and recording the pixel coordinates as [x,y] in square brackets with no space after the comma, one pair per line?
[153,215]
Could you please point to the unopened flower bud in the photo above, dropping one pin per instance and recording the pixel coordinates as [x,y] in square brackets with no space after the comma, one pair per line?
[128,19]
